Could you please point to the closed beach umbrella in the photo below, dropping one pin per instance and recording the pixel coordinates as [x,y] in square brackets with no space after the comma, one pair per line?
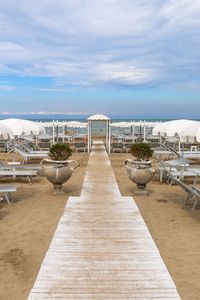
[6,132]
[76,124]
[20,127]
[122,124]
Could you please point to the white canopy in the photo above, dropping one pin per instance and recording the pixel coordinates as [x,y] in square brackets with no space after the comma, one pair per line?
[122,124]
[19,127]
[186,129]
[6,131]
[198,135]
[133,123]
[74,124]
[98,118]
[160,128]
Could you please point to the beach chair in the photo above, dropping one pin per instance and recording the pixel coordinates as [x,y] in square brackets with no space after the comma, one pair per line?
[169,166]
[27,155]
[80,147]
[19,172]
[7,190]
[193,193]
[30,150]
[117,147]
[127,147]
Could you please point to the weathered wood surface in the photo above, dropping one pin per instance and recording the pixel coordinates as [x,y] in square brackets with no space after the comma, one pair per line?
[102,248]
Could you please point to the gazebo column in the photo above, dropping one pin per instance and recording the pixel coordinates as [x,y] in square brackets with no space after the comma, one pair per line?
[144,132]
[57,129]
[109,136]
[63,139]
[89,137]
[133,132]
[53,133]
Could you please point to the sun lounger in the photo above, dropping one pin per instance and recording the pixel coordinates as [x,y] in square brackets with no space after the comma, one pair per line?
[7,190]
[28,149]
[117,147]
[80,147]
[175,166]
[173,175]
[193,193]
[19,172]
[27,155]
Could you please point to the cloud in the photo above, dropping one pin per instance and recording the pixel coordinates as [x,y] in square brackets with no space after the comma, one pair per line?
[7,88]
[109,42]
[123,74]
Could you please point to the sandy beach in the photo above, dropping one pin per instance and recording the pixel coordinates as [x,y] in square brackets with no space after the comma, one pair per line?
[27,227]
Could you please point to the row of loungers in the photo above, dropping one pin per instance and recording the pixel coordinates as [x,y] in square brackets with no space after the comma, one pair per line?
[19,171]
[175,171]
[120,147]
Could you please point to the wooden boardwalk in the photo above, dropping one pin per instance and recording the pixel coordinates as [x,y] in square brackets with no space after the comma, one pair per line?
[102,248]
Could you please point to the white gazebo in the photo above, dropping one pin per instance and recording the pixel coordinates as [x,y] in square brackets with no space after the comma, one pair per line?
[101,118]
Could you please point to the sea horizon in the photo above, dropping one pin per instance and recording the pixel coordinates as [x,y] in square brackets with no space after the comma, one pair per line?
[117,118]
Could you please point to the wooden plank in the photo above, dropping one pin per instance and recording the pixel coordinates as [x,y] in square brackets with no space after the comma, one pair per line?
[102,248]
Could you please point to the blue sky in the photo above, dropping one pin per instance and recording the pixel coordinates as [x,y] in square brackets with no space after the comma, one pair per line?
[130,57]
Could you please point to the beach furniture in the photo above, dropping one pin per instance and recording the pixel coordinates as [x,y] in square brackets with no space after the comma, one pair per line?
[7,190]
[30,150]
[193,192]
[27,155]
[165,167]
[127,147]
[117,147]
[175,176]
[18,172]
[80,147]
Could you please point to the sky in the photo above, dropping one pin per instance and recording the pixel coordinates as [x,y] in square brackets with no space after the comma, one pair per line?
[127,58]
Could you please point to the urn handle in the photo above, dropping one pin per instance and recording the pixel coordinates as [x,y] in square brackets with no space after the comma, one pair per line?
[72,164]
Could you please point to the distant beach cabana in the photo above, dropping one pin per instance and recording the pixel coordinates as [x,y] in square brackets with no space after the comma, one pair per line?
[99,118]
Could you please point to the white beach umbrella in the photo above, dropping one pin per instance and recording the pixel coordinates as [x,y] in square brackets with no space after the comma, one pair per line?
[160,128]
[41,126]
[6,131]
[186,129]
[198,135]
[122,124]
[19,126]
[76,124]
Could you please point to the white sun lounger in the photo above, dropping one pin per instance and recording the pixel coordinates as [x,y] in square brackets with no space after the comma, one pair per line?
[28,149]
[7,190]
[193,193]
[27,155]
[172,166]
[19,172]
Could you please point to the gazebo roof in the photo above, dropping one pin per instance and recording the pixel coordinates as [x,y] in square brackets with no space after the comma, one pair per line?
[98,118]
